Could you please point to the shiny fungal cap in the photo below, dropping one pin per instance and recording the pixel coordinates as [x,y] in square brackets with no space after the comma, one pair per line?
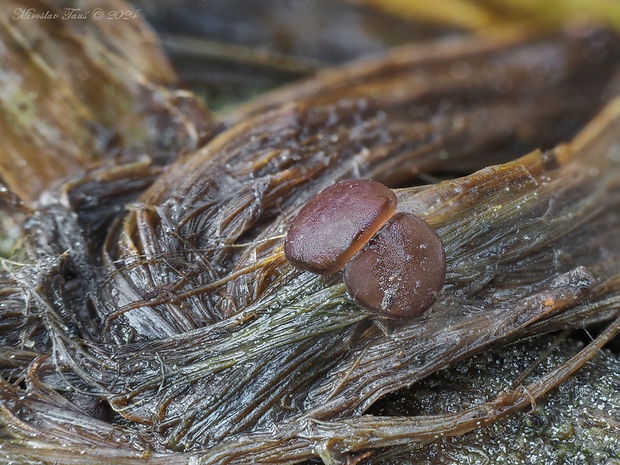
[400,271]
[336,223]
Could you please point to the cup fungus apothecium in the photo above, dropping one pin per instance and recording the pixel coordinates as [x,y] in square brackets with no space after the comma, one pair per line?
[394,263]
[336,223]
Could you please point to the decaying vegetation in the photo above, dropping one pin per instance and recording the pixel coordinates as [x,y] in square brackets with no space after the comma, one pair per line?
[149,316]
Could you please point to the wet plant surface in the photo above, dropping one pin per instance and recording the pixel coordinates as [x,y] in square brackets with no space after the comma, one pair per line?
[577,423]
[149,315]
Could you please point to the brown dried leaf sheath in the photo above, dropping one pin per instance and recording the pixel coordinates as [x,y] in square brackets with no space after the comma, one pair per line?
[211,348]
[80,94]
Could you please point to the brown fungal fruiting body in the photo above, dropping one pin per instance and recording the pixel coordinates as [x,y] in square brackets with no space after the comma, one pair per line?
[336,223]
[401,269]
[394,263]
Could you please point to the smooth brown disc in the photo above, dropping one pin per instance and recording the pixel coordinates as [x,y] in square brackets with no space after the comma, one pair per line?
[399,273]
[336,223]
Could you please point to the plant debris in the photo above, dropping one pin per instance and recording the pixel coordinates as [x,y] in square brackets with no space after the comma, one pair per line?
[150,315]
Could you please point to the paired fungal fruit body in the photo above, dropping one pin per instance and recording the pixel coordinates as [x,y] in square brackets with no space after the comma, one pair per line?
[394,263]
